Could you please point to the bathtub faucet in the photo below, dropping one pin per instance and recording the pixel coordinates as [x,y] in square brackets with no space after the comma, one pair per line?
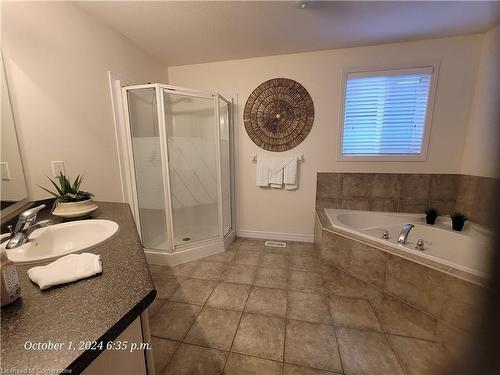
[403,235]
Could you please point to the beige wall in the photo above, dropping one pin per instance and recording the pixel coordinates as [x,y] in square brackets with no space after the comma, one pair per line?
[481,152]
[321,74]
[56,59]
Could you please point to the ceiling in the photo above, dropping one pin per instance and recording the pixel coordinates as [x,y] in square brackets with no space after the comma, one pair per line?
[188,32]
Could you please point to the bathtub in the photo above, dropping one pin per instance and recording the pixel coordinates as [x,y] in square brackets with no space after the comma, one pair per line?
[468,251]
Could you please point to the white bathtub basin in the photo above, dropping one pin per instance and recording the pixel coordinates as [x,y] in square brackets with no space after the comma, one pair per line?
[468,251]
[57,240]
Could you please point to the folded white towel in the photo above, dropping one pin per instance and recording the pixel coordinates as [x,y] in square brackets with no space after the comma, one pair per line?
[262,171]
[290,174]
[67,269]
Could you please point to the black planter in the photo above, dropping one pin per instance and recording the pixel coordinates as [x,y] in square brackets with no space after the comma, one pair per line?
[457,225]
[430,219]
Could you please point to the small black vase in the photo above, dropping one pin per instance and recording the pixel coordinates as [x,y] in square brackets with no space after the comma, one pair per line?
[457,225]
[430,219]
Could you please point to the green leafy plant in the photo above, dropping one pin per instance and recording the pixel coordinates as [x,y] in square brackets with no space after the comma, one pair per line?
[431,215]
[67,191]
[458,220]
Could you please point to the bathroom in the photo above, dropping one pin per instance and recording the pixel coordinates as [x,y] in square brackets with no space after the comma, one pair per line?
[275,187]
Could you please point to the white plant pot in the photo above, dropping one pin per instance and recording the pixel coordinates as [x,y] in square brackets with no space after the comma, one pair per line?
[74,209]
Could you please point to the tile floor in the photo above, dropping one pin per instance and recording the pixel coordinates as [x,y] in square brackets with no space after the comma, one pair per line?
[258,310]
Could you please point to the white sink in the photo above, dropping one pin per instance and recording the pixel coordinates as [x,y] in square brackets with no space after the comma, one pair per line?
[57,240]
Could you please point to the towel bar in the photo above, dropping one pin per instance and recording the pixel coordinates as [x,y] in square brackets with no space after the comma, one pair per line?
[299,158]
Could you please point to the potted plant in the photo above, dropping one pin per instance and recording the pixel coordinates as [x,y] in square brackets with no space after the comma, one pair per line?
[458,220]
[70,200]
[431,215]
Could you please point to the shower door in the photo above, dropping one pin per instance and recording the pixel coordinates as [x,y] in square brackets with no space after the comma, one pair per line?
[193,165]
[148,157]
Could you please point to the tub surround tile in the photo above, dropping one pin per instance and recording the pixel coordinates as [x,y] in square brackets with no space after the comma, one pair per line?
[173,320]
[416,206]
[356,204]
[419,285]
[340,283]
[329,185]
[261,336]
[366,352]
[239,364]
[400,318]
[443,187]
[386,185]
[335,250]
[163,350]
[384,205]
[196,360]
[229,296]
[420,357]
[267,301]
[357,185]
[415,186]
[354,313]
[468,191]
[195,291]
[488,188]
[214,328]
[308,307]
[463,303]
[367,263]
[414,193]
[312,345]
[328,203]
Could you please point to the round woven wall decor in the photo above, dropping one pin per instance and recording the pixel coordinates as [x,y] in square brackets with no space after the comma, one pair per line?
[279,114]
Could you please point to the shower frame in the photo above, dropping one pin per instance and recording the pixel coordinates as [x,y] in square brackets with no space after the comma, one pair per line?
[195,249]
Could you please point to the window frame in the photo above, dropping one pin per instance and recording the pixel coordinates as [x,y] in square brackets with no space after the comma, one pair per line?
[414,68]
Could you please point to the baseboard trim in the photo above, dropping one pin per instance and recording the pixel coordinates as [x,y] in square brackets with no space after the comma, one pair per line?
[183,256]
[276,236]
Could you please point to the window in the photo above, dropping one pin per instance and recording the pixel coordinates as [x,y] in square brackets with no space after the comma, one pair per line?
[385,114]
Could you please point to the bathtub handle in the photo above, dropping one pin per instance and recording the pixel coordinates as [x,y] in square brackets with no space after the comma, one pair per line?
[420,245]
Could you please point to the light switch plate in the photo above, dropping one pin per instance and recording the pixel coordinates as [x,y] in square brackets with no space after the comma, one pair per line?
[5,171]
[57,167]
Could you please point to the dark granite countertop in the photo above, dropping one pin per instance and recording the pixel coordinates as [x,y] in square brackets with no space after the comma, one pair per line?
[94,309]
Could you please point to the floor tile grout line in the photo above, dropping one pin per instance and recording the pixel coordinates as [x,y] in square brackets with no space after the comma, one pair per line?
[334,327]
[191,326]
[237,328]
[400,362]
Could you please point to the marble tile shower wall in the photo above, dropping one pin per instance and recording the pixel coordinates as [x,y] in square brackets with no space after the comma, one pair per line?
[396,192]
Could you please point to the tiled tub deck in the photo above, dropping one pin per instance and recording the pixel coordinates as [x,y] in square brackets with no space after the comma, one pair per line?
[258,310]
[450,300]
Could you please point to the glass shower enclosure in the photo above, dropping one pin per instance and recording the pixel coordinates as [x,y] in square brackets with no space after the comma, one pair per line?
[180,159]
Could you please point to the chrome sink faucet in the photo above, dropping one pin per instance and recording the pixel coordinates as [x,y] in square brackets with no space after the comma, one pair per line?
[26,223]
[403,235]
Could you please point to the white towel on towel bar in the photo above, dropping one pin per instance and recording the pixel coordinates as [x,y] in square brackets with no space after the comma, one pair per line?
[276,172]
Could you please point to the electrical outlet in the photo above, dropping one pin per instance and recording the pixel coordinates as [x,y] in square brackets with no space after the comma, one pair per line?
[57,167]
[5,171]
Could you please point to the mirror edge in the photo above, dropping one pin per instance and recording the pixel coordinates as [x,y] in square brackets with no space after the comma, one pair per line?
[13,210]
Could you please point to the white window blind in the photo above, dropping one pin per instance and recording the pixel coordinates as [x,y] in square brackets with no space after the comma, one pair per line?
[385,113]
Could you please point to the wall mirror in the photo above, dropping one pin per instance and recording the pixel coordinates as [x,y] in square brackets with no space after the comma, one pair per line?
[13,189]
